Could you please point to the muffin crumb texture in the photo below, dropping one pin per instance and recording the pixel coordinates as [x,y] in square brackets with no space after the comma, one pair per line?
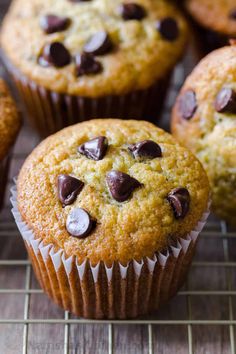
[9,120]
[111,190]
[93,48]
[219,16]
[210,130]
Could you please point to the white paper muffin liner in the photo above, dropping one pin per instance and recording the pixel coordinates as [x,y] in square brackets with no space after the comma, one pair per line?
[119,291]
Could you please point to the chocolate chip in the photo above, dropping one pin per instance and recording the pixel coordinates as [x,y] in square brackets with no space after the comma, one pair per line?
[86,64]
[68,188]
[53,23]
[132,11]
[232,14]
[188,104]
[225,101]
[145,149]
[168,28]
[179,199]
[94,149]
[99,44]
[121,185]
[79,223]
[55,54]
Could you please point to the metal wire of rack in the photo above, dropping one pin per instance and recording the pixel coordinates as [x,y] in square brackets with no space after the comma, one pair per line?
[212,279]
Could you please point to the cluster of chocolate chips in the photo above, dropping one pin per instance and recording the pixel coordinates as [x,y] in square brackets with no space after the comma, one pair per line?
[120,185]
[225,102]
[56,54]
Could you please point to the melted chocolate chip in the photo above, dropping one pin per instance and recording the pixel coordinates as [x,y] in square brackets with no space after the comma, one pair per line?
[79,223]
[179,199]
[232,14]
[225,101]
[121,185]
[188,104]
[99,44]
[86,64]
[94,149]
[132,11]
[55,54]
[168,28]
[145,149]
[68,188]
[53,23]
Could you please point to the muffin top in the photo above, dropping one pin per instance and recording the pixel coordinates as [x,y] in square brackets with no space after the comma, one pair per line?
[94,47]
[204,120]
[111,190]
[219,15]
[204,116]
[9,120]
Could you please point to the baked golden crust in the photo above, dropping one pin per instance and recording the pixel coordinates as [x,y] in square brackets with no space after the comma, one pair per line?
[9,120]
[209,134]
[214,15]
[130,230]
[141,56]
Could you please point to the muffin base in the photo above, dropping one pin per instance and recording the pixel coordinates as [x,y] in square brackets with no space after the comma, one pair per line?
[119,291]
[49,111]
[4,169]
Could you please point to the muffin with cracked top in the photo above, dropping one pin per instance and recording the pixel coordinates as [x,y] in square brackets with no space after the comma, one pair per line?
[77,59]
[114,208]
[215,22]
[204,120]
[9,128]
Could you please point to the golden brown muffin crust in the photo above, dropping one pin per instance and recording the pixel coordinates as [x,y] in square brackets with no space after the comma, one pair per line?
[211,135]
[133,229]
[140,58]
[214,14]
[9,120]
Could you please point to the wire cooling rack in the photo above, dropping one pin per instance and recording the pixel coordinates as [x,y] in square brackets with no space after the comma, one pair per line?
[200,319]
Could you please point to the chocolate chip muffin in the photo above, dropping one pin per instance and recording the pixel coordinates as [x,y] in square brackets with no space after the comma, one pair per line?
[9,127]
[215,22]
[114,208]
[73,60]
[204,120]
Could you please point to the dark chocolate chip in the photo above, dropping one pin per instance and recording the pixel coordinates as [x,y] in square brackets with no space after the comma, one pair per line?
[188,104]
[225,101]
[94,149]
[55,54]
[179,199]
[132,11]
[68,188]
[232,14]
[53,23]
[145,149]
[121,185]
[87,64]
[168,28]
[99,44]
[79,223]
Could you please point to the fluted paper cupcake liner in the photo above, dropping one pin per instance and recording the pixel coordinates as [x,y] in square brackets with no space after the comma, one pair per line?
[120,291]
[49,111]
[4,168]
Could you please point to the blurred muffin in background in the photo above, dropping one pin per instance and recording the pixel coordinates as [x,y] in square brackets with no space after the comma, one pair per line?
[204,120]
[215,22]
[9,128]
[77,59]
